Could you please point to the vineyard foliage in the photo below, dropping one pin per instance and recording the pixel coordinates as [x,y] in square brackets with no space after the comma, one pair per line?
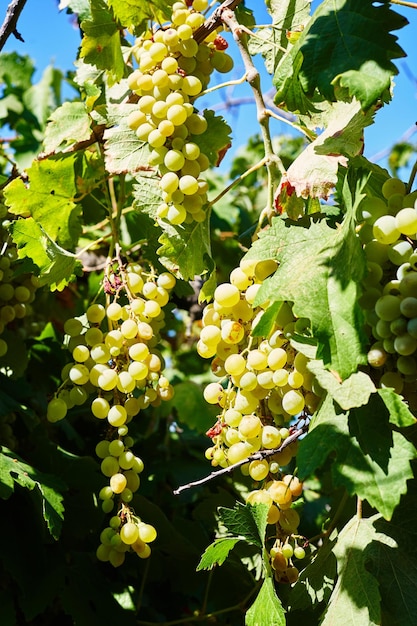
[208,372]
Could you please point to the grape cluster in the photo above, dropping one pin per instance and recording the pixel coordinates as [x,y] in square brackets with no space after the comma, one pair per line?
[121,368]
[279,495]
[17,290]
[389,299]
[173,71]
[264,382]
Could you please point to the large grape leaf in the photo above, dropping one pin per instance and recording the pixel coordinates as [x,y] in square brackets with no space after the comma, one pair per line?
[215,141]
[399,413]
[132,13]
[80,7]
[48,197]
[101,45]
[314,172]
[267,608]
[14,470]
[56,266]
[320,269]
[355,600]
[378,476]
[392,559]
[356,36]
[68,124]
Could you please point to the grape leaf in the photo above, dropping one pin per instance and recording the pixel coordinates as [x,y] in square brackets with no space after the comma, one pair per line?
[132,13]
[186,249]
[217,552]
[147,195]
[355,600]
[392,560]
[15,470]
[48,197]
[352,392]
[16,69]
[57,266]
[267,608]
[320,269]
[70,123]
[246,521]
[79,7]
[101,44]
[313,174]
[399,412]
[316,582]
[287,16]
[215,141]
[357,37]
[124,152]
[191,407]
[353,468]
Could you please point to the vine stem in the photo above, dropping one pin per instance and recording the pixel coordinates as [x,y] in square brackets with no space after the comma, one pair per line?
[412,177]
[10,22]
[237,180]
[275,167]
[257,456]
[410,5]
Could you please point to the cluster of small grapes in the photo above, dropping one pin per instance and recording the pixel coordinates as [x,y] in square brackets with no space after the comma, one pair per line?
[279,496]
[173,71]
[265,382]
[17,291]
[7,436]
[125,532]
[389,299]
[122,368]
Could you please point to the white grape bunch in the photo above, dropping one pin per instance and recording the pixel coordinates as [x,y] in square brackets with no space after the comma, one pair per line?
[263,382]
[174,69]
[118,369]
[389,298]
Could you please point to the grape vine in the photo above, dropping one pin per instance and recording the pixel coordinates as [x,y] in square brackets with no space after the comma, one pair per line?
[208,355]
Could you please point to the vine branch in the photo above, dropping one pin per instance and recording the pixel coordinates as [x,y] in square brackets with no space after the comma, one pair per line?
[274,164]
[10,22]
[215,20]
[257,456]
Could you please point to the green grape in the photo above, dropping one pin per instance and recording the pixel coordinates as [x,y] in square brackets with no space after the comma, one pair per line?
[385,229]
[393,186]
[57,409]
[147,532]
[406,221]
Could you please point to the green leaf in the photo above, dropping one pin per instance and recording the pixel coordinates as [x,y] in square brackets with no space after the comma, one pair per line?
[392,559]
[320,269]
[15,470]
[69,124]
[48,197]
[314,173]
[355,600]
[353,392]
[16,70]
[79,7]
[380,480]
[246,521]
[316,582]
[267,608]
[132,13]
[272,42]
[186,249]
[357,37]
[57,266]
[217,552]
[191,407]
[216,139]
[101,45]
[124,152]
[399,412]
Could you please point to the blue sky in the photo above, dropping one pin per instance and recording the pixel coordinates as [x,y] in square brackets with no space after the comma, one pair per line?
[50,37]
